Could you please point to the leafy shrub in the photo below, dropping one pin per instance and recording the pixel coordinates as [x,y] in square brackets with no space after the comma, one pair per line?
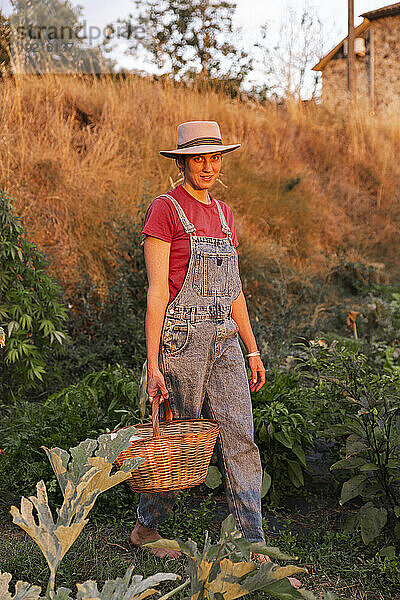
[371,430]
[82,474]
[110,331]
[31,309]
[101,402]
[226,570]
[354,277]
[282,433]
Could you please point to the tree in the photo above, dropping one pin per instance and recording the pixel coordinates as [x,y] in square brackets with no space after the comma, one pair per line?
[48,35]
[287,61]
[4,44]
[189,39]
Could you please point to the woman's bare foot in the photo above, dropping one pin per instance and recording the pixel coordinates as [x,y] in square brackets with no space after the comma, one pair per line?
[141,535]
[262,558]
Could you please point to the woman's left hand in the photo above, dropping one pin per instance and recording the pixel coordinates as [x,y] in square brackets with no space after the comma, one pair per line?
[257,373]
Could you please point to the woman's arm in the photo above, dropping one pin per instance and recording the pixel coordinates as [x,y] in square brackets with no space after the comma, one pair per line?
[156,253]
[241,316]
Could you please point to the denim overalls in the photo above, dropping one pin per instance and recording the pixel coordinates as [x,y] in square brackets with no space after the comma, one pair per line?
[204,370]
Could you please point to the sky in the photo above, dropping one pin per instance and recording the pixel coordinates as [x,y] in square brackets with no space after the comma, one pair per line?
[250,15]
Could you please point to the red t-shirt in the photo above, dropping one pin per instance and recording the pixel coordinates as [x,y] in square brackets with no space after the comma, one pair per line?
[162,222]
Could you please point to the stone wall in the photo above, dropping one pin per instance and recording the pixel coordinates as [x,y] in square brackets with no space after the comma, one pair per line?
[334,80]
[387,60]
[387,68]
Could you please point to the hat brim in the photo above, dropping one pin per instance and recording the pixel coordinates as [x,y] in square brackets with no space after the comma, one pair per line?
[210,149]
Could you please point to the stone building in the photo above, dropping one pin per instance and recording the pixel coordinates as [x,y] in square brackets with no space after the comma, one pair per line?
[377,64]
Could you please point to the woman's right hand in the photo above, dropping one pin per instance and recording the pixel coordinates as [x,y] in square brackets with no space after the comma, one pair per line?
[156,385]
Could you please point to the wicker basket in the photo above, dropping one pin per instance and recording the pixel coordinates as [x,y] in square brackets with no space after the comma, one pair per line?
[177,452]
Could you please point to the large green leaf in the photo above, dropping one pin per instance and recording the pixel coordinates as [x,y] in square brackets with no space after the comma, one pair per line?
[23,590]
[42,530]
[352,488]
[295,473]
[73,466]
[283,439]
[266,576]
[130,587]
[350,524]
[299,452]
[372,520]
[228,525]
[369,467]
[271,551]
[266,484]
[388,552]
[354,445]
[214,477]
[348,463]
[62,593]
[82,479]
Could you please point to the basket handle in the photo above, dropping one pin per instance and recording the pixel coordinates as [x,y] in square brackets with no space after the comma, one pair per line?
[155,417]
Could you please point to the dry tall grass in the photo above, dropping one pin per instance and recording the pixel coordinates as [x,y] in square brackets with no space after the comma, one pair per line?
[308,186]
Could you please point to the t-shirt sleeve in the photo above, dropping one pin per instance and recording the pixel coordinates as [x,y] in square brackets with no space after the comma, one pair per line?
[159,221]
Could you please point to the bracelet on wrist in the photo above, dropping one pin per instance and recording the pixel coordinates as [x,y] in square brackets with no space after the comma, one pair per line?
[257,353]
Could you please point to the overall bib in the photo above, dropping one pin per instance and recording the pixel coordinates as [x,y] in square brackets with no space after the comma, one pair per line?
[204,370]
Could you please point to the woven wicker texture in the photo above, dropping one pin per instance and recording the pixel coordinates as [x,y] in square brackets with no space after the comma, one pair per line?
[177,452]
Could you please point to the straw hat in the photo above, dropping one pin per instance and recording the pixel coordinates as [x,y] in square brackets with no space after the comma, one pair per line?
[198,137]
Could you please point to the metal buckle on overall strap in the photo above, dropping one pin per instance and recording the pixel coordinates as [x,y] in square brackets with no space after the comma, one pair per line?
[221,312]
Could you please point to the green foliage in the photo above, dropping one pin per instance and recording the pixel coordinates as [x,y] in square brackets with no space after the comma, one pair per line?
[226,568]
[101,402]
[112,331]
[31,309]
[371,430]
[131,586]
[83,474]
[214,477]
[283,433]
[198,519]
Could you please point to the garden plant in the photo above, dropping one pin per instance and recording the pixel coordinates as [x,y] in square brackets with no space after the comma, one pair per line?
[370,432]
[223,570]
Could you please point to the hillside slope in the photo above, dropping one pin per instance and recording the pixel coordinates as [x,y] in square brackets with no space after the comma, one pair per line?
[309,188]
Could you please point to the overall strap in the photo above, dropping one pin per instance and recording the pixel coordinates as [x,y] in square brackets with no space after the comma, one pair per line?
[224,224]
[187,225]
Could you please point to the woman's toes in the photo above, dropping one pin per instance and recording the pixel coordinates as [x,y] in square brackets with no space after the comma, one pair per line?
[295,582]
[166,553]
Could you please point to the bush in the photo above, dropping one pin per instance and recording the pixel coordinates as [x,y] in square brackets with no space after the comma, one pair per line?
[101,402]
[31,309]
[370,430]
[282,433]
[110,331]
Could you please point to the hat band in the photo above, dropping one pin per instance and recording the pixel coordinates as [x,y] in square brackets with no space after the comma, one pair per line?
[200,141]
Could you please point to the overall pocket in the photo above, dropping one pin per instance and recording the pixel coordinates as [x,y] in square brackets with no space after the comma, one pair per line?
[213,273]
[176,336]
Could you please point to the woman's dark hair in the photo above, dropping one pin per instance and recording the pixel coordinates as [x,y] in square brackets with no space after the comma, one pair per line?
[180,162]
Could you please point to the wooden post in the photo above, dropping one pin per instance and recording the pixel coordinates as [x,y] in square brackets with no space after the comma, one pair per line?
[351,75]
[372,66]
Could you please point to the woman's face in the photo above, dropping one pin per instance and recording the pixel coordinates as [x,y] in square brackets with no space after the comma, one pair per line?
[202,170]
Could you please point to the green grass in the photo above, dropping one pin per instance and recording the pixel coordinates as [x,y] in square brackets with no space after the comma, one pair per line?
[339,561]
[335,560]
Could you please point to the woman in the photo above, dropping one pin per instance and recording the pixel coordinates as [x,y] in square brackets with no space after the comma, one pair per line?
[195,311]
